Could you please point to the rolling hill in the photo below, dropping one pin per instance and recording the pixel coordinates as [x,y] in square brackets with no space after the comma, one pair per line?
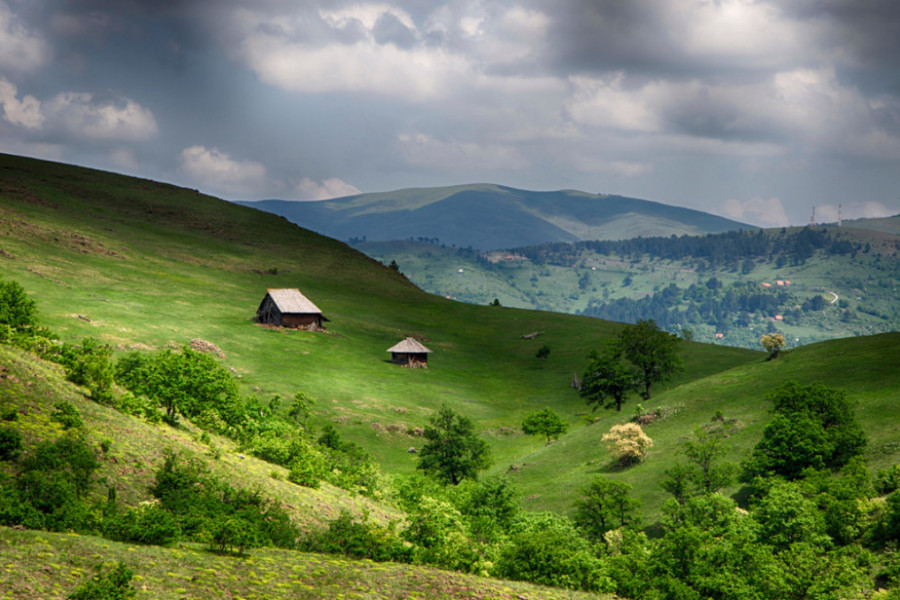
[486,216]
[834,281]
[145,266]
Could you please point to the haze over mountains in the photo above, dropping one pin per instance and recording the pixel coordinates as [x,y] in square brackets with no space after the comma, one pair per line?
[487,216]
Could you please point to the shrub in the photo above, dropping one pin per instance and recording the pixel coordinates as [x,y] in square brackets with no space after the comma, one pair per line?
[887,480]
[546,549]
[66,415]
[17,310]
[111,585]
[359,539]
[146,524]
[307,466]
[234,535]
[51,489]
[627,443]
[10,443]
[605,505]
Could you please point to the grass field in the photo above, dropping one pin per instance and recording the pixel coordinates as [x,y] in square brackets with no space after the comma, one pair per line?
[142,266]
[866,284]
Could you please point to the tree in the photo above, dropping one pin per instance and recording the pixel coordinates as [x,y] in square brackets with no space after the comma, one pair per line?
[704,452]
[813,427]
[605,505]
[627,442]
[543,352]
[608,379]
[773,343]
[16,309]
[453,451]
[652,351]
[545,422]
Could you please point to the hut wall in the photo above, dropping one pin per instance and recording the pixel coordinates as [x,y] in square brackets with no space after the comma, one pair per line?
[409,360]
[268,312]
[301,321]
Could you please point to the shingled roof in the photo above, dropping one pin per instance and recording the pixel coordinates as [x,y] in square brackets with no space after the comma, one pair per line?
[409,346]
[291,301]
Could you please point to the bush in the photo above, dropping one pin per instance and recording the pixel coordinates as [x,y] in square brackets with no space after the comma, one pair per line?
[66,415]
[813,428]
[112,585]
[234,535]
[209,509]
[627,443]
[10,443]
[17,310]
[147,524]
[51,489]
[359,539]
[307,466]
[547,550]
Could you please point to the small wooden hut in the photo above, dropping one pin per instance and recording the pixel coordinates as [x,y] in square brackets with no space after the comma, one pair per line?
[289,308]
[410,353]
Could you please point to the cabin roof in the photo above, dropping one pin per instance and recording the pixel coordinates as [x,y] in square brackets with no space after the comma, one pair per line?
[291,301]
[409,346]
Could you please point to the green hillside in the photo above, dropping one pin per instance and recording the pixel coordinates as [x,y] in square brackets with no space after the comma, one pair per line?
[834,282]
[146,266]
[487,216]
[143,265]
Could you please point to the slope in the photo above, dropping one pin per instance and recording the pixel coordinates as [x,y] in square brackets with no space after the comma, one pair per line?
[142,265]
[486,216]
[39,564]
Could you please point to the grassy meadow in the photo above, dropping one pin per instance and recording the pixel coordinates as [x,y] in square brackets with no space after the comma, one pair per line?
[144,266]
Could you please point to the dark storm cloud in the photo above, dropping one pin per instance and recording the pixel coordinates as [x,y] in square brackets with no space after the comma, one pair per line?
[609,36]
[390,30]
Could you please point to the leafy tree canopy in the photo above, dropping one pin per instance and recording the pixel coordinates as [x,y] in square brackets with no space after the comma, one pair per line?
[453,451]
[608,379]
[814,427]
[652,351]
[545,422]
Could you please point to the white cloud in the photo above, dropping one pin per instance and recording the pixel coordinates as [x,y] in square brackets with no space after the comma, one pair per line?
[83,115]
[333,187]
[20,49]
[746,32]
[124,158]
[424,150]
[605,103]
[621,168]
[767,212]
[829,213]
[25,112]
[215,171]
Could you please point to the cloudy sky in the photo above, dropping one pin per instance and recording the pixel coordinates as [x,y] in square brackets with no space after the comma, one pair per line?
[756,110]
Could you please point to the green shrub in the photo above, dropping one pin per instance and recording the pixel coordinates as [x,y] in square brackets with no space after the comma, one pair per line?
[147,524]
[234,535]
[66,415]
[359,539]
[51,489]
[887,480]
[308,467]
[111,585]
[10,443]
[202,504]
[546,549]
[17,310]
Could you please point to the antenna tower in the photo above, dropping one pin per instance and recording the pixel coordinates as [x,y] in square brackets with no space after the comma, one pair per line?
[812,217]
[840,210]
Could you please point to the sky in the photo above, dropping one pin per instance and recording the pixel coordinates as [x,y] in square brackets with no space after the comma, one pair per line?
[758,110]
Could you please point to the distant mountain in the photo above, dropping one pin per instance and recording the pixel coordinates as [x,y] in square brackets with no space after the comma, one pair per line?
[486,216]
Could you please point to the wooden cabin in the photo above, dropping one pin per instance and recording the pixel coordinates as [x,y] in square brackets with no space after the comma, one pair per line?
[289,308]
[410,353]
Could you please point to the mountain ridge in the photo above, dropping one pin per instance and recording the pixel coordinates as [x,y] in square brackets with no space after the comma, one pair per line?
[489,216]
